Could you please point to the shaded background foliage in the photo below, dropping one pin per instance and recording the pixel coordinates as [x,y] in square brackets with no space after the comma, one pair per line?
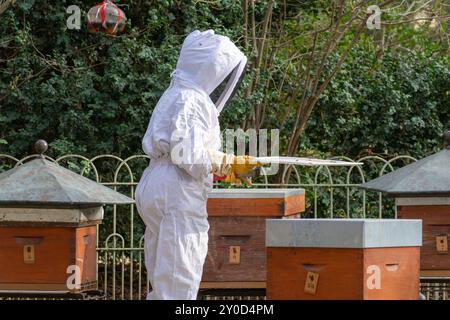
[89,94]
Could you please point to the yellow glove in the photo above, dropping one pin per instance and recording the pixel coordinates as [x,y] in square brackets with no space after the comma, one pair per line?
[244,164]
[231,178]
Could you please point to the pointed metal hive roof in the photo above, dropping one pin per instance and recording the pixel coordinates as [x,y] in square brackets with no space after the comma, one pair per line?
[427,177]
[44,183]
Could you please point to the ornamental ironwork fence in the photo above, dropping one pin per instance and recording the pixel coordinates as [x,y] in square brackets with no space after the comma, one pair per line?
[331,192]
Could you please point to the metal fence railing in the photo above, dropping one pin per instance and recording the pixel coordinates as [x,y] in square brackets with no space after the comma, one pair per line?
[331,193]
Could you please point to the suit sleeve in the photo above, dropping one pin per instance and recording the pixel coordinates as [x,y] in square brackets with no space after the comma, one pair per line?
[187,147]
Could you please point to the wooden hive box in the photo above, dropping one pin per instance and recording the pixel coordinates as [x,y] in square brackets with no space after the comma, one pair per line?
[343,259]
[40,249]
[236,251]
[48,257]
[48,225]
[422,191]
[435,216]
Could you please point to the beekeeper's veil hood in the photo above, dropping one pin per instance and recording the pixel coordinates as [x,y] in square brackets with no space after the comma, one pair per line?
[211,63]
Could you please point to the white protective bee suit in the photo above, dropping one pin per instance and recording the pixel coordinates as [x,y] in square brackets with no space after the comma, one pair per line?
[181,139]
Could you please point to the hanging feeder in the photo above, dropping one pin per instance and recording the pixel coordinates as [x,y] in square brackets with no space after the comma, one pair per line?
[106,17]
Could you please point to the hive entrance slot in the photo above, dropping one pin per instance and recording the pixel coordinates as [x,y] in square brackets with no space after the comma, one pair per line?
[313,267]
[23,241]
[392,267]
[235,238]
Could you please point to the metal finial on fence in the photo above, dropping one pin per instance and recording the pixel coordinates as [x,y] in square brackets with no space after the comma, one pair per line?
[41,146]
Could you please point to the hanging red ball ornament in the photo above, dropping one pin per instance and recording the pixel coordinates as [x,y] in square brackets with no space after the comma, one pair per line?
[106,17]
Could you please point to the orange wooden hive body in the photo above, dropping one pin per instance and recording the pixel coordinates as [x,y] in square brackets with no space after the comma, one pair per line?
[343,259]
[39,258]
[435,257]
[237,217]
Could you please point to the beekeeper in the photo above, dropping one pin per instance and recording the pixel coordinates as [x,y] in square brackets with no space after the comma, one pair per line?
[183,142]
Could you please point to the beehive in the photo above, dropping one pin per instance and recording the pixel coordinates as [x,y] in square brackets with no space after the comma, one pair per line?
[236,253]
[48,225]
[343,259]
[422,191]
